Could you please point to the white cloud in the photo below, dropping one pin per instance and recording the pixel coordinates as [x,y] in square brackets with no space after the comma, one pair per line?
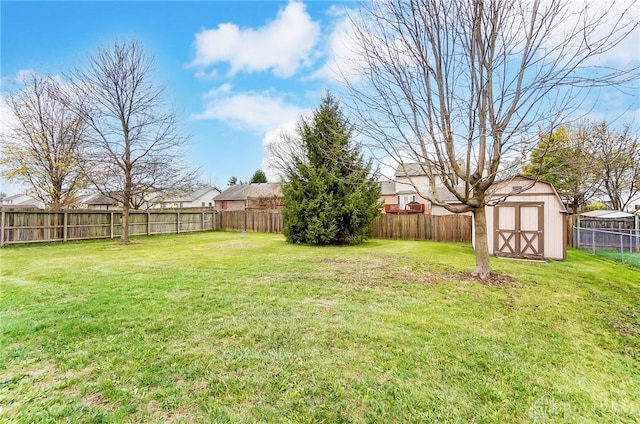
[339,51]
[281,46]
[277,140]
[258,112]
[7,119]
[342,51]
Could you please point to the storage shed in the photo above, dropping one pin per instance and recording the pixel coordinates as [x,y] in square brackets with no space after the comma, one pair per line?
[530,223]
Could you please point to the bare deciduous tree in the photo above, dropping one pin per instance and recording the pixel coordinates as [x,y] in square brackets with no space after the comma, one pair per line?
[134,144]
[618,154]
[457,85]
[282,152]
[42,148]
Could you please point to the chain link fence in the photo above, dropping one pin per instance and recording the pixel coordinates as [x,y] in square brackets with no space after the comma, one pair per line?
[618,244]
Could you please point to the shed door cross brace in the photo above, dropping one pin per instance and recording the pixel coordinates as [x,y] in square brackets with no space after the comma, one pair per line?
[518,242]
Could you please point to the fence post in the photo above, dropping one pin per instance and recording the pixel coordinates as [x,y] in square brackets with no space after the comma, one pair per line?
[178,222]
[2,229]
[111,227]
[593,242]
[65,226]
[621,247]
[148,223]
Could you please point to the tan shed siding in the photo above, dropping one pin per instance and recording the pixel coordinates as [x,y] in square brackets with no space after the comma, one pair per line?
[491,231]
[554,225]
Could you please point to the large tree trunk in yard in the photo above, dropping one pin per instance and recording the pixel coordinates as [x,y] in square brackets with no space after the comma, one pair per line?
[483,266]
[124,234]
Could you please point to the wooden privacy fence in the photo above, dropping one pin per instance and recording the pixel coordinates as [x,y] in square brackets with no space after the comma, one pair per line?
[251,221]
[423,227]
[385,226]
[51,226]
[20,226]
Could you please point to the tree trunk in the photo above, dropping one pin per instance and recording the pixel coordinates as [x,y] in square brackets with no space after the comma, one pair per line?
[483,266]
[124,234]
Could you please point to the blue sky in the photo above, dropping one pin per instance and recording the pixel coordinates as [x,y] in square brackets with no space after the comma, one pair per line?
[235,71]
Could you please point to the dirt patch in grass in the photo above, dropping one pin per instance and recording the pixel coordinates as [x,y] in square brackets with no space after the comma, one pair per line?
[336,261]
[495,280]
[628,326]
[390,271]
[97,401]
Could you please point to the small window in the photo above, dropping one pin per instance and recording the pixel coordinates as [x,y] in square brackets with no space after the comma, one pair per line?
[202,203]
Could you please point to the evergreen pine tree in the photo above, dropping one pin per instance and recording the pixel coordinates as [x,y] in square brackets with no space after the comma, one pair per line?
[330,192]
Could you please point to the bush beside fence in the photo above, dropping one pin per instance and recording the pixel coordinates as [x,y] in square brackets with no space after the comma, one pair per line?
[21,227]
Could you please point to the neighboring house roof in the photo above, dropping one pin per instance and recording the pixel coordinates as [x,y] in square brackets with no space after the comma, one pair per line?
[250,191]
[411,169]
[607,214]
[14,198]
[190,196]
[21,201]
[96,199]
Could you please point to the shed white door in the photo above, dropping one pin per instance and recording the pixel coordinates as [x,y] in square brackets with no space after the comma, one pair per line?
[519,230]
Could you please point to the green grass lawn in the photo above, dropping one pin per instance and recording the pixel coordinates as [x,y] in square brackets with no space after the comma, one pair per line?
[216,327]
[629,258]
